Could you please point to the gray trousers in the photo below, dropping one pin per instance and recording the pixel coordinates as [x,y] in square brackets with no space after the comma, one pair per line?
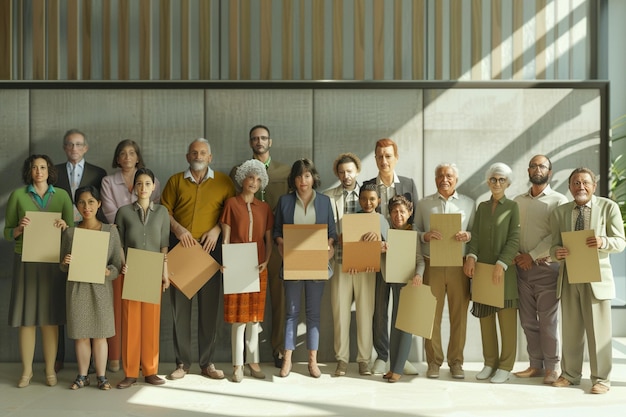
[538,312]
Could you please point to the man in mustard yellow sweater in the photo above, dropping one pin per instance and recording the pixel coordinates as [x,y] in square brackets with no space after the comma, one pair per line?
[194,199]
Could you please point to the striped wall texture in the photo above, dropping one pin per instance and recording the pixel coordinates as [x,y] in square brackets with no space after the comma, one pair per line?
[298,39]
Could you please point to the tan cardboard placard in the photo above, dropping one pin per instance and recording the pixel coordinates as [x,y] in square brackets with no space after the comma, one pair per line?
[355,225]
[398,264]
[42,241]
[360,256]
[448,251]
[90,252]
[484,291]
[305,250]
[190,268]
[416,310]
[143,281]
[241,268]
[582,263]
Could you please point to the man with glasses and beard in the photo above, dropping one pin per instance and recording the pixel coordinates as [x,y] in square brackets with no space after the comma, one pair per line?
[537,273]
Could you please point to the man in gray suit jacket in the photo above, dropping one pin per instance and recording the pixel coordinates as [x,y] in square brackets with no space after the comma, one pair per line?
[389,184]
[586,307]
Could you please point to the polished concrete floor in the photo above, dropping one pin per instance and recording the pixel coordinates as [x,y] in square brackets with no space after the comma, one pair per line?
[301,395]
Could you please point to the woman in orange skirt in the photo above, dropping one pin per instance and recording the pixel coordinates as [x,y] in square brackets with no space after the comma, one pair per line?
[247,219]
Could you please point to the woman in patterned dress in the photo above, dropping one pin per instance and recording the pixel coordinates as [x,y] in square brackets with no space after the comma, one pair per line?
[90,305]
[247,219]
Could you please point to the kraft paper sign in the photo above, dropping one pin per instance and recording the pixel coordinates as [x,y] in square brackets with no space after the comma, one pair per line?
[484,291]
[360,256]
[355,225]
[90,253]
[416,310]
[241,268]
[448,251]
[399,262]
[190,268]
[305,250]
[143,279]
[42,241]
[582,263]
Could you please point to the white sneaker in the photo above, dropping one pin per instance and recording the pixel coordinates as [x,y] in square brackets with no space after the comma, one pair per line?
[500,376]
[380,367]
[485,373]
[409,369]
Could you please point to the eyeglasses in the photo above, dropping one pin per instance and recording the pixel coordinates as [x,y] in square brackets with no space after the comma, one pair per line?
[259,138]
[495,180]
[542,167]
[74,145]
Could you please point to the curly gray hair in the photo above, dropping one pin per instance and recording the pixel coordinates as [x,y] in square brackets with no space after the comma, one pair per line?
[252,166]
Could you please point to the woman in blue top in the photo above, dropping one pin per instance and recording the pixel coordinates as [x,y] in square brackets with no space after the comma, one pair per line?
[303,205]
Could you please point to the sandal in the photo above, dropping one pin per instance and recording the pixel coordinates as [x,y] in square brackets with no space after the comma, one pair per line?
[103,383]
[81,381]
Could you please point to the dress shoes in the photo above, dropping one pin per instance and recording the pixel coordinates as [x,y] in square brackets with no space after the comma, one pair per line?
[256,374]
[237,374]
[550,377]
[126,382]
[314,370]
[599,388]
[394,378]
[178,373]
[500,377]
[529,372]
[211,372]
[562,383]
[485,373]
[154,380]
[24,381]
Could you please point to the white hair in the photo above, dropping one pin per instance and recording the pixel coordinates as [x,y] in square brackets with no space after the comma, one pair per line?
[450,165]
[201,140]
[499,168]
[252,166]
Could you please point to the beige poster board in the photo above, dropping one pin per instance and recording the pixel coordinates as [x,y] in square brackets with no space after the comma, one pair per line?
[416,310]
[90,252]
[484,291]
[355,225]
[190,268]
[583,262]
[399,262]
[143,281]
[241,268]
[305,251]
[448,251]
[42,241]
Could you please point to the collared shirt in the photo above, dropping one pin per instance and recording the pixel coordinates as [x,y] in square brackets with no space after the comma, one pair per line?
[586,215]
[386,193]
[350,205]
[41,202]
[75,174]
[300,216]
[209,174]
[535,233]
[436,203]
[143,215]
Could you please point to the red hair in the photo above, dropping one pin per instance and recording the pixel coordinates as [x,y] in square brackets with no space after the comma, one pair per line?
[386,142]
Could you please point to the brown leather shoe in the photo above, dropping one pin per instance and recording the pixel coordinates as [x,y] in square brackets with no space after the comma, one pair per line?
[211,372]
[529,372]
[600,388]
[127,382]
[154,380]
[561,383]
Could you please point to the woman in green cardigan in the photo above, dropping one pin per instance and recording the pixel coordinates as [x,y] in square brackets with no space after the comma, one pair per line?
[495,241]
[38,289]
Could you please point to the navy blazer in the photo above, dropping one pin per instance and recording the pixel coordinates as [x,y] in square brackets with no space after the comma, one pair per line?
[287,205]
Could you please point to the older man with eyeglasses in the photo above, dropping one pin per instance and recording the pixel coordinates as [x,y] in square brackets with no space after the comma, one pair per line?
[537,273]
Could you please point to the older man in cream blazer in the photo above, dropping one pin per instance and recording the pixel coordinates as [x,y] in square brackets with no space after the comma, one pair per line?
[586,307]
